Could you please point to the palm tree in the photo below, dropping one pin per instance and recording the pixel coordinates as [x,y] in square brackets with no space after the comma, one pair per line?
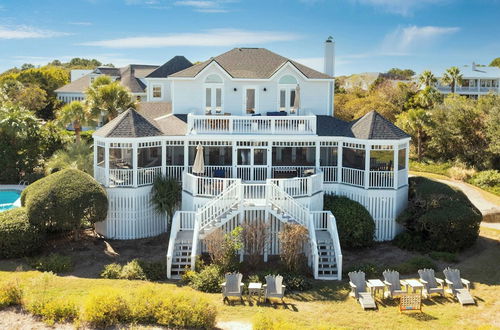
[166,196]
[414,121]
[108,98]
[452,77]
[74,155]
[74,113]
[427,79]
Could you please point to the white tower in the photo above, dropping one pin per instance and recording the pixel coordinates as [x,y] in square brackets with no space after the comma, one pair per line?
[329,65]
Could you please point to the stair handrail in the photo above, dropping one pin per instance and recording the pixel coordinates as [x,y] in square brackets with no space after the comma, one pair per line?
[332,229]
[298,211]
[194,248]
[314,247]
[234,189]
[174,229]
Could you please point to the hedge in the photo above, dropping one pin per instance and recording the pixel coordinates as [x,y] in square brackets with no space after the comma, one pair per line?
[65,200]
[438,218]
[18,237]
[354,223]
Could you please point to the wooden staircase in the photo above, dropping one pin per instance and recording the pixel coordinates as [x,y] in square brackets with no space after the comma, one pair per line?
[327,263]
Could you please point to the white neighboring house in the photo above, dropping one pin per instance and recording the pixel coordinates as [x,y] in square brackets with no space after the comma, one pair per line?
[476,81]
[271,150]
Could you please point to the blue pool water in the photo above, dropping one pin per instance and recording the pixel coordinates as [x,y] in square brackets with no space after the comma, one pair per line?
[9,199]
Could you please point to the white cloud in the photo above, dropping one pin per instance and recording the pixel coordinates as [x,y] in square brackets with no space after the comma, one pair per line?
[27,32]
[205,6]
[81,23]
[216,37]
[401,7]
[407,39]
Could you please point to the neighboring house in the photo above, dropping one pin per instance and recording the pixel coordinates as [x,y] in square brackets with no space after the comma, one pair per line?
[476,81]
[271,148]
[360,80]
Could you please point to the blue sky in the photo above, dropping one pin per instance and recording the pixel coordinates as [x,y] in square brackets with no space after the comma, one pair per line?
[370,35]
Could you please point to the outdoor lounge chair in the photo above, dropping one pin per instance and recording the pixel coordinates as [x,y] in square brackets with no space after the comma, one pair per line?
[430,282]
[232,287]
[456,286]
[360,291]
[274,287]
[393,283]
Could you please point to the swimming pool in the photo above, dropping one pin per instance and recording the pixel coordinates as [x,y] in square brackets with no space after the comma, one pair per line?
[9,199]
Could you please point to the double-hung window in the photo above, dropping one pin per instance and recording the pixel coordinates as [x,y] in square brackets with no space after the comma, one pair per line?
[157,91]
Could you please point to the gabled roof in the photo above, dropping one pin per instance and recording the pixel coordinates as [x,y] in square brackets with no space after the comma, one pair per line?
[175,64]
[373,126]
[77,86]
[474,71]
[251,63]
[134,84]
[129,124]
[138,70]
[107,70]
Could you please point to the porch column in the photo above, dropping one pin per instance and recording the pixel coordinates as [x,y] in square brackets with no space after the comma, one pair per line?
[134,163]
[396,165]
[407,161]
[318,150]
[367,166]
[269,160]
[163,158]
[106,164]
[235,160]
[95,159]
[186,156]
[339,161]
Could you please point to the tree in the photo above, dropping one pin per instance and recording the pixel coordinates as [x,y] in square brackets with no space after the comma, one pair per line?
[427,79]
[223,248]
[293,237]
[30,97]
[27,66]
[166,196]
[400,74]
[75,155]
[452,77]
[254,240]
[108,98]
[414,122]
[74,113]
[495,62]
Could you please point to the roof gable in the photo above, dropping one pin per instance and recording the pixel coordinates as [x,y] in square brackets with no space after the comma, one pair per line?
[175,64]
[129,124]
[373,126]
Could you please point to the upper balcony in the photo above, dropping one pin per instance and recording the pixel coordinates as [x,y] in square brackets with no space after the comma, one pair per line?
[229,124]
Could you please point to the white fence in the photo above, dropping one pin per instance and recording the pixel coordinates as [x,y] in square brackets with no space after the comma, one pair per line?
[381,179]
[353,176]
[147,175]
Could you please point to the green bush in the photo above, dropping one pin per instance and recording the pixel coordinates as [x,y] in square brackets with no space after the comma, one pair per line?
[133,271]
[105,307]
[186,311]
[296,282]
[489,180]
[370,270]
[112,271]
[209,279]
[154,270]
[444,256]
[11,294]
[414,264]
[53,310]
[17,236]
[438,218]
[54,263]
[65,201]
[354,223]
[267,322]
[430,167]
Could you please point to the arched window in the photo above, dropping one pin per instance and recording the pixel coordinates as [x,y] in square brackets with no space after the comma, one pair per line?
[287,91]
[288,79]
[213,79]
[213,94]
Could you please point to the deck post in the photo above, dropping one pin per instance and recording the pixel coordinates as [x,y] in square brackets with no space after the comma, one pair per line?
[318,152]
[163,158]
[235,159]
[367,166]
[135,169]
[396,165]
[186,156]
[106,164]
[339,162]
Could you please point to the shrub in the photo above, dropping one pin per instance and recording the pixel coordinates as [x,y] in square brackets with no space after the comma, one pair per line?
[181,311]
[438,218]
[54,263]
[154,270]
[293,237]
[112,271]
[105,307]
[414,264]
[370,270]
[489,178]
[296,282]
[254,240]
[460,172]
[267,322]
[354,223]
[444,256]
[408,241]
[65,200]
[133,271]
[11,294]
[17,236]
[53,310]
[223,248]
[209,279]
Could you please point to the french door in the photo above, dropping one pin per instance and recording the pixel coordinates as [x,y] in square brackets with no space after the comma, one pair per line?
[252,163]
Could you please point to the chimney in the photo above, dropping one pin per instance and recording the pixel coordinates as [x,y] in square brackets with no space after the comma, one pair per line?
[329,59]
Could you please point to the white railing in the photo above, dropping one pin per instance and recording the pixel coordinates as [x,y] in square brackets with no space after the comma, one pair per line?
[254,190]
[174,172]
[353,176]
[402,178]
[209,170]
[320,220]
[100,174]
[205,186]
[300,187]
[174,229]
[278,198]
[334,234]
[381,179]
[218,206]
[299,170]
[194,248]
[210,124]
[121,177]
[187,220]
[314,248]
[147,175]
[329,173]
[489,89]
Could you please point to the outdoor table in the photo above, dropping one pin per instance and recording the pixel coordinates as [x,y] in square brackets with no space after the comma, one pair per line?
[414,284]
[255,289]
[375,285]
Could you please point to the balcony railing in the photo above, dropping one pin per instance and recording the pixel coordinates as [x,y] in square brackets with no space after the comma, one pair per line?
[220,124]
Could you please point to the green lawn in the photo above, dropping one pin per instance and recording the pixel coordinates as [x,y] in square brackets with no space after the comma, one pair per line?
[328,305]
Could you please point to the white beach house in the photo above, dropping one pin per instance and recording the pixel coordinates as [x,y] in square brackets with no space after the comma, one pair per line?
[476,81]
[271,148]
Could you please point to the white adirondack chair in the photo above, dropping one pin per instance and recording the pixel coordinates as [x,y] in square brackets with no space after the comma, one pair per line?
[274,287]
[456,286]
[430,282]
[359,290]
[233,287]
[393,283]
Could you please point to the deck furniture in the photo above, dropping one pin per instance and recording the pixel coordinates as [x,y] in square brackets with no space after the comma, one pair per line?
[430,282]
[359,290]
[232,287]
[274,287]
[376,285]
[255,289]
[456,286]
[414,285]
[393,283]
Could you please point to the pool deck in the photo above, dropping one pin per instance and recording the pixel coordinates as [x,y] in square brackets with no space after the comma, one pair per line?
[19,187]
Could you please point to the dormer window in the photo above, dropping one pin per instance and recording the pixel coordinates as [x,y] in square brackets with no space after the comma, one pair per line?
[213,94]
[287,94]
[157,91]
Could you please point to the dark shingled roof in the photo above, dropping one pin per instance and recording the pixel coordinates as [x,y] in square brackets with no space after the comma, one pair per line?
[176,64]
[132,83]
[374,126]
[251,63]
[129,124]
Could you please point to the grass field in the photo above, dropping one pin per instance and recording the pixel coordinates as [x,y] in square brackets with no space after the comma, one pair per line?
[328,304]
